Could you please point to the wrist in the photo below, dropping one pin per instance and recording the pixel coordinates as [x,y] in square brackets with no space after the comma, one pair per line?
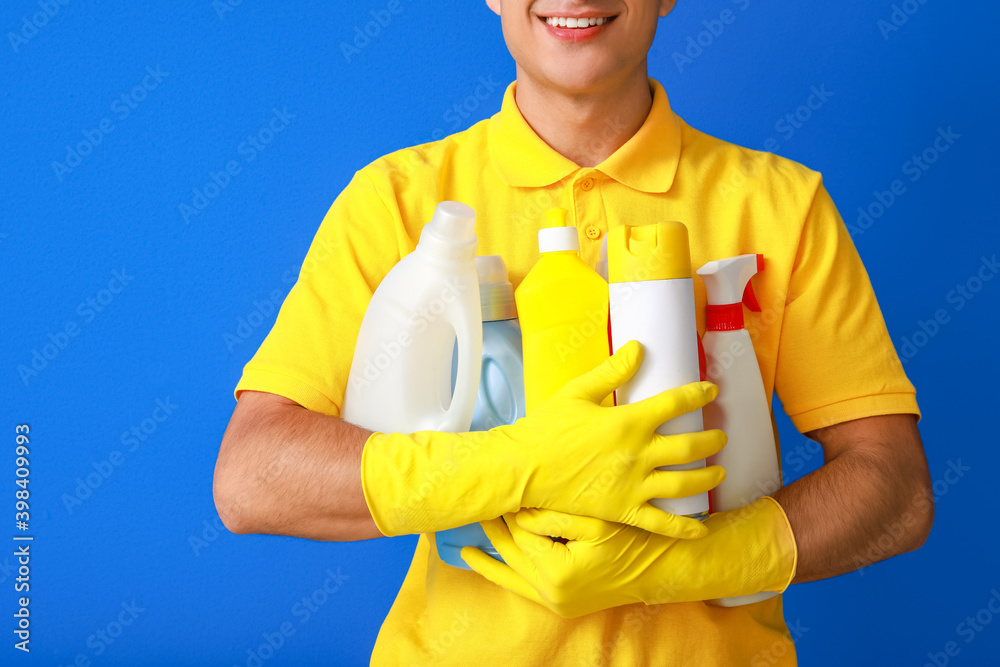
[781,545]
[748,550]
[429,481]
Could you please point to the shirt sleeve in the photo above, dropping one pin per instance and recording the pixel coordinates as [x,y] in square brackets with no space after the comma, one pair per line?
[836,361]
[307,355]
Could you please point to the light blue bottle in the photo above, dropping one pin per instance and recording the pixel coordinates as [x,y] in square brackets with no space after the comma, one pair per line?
[501,387]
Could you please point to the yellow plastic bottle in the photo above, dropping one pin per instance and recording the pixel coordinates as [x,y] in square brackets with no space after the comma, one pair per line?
[562,305]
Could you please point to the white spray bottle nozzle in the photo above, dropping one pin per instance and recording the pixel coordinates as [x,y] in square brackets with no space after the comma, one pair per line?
[727,281]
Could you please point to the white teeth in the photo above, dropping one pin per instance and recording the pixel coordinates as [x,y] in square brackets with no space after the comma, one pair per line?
[564,22]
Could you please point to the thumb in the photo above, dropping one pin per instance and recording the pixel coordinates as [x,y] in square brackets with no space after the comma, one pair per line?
[595,385]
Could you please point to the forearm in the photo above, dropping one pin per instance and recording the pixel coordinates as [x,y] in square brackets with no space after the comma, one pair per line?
[865,504]
[286,470]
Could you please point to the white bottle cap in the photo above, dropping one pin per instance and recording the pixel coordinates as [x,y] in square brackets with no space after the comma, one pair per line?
[451,231]
[495,291]
[453,220]
[557,236]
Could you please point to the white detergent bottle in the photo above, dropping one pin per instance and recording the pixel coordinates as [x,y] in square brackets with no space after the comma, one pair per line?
[652,301]
[401,380]
[741,409]
[501,388]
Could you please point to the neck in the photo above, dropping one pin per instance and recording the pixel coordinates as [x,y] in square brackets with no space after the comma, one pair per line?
[585,126]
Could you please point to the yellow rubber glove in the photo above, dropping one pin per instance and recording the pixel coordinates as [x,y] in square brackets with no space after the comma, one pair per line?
[606,565]
[571,455]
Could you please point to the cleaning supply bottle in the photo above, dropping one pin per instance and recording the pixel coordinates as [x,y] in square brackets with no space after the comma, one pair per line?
[602,260]
[400,379]
[501,387]
[652,301]
[741,410]
[563,308]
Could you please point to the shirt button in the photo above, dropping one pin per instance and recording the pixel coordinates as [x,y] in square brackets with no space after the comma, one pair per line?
[593,233]
[587,184]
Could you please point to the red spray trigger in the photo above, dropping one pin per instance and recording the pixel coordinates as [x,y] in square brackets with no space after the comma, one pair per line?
[702,361]
[749,298]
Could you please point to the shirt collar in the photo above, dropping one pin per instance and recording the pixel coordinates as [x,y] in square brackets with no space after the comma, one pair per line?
[646,162]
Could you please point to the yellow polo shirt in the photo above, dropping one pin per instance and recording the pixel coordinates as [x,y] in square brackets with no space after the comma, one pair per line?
[820,340]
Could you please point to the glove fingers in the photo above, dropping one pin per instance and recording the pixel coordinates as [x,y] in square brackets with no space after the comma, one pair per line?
[670,525]
[560,524]
[503,541]
[673,402]
[532,544]
[595,385]
[671,450]
[682,483]
[500,574]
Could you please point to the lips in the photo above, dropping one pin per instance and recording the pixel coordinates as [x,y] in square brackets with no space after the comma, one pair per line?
[576,28]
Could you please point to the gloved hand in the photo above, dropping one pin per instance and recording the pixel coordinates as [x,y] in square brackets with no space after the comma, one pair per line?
[606,565]
[571,455]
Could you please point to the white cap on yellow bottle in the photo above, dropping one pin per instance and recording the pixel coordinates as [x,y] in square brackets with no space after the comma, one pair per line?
[557,236]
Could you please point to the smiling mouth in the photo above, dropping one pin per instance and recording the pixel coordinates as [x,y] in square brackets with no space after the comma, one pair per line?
[569,22]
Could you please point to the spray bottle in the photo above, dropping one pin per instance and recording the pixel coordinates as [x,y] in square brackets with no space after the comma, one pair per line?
[652,301]
[741,409]
[400,379]
[501,388]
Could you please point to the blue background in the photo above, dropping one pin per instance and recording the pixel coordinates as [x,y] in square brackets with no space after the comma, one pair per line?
[149,532]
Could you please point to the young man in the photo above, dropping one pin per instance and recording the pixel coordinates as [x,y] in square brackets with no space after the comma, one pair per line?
[584,128]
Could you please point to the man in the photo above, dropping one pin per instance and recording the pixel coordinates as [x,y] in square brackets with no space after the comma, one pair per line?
[582,127]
